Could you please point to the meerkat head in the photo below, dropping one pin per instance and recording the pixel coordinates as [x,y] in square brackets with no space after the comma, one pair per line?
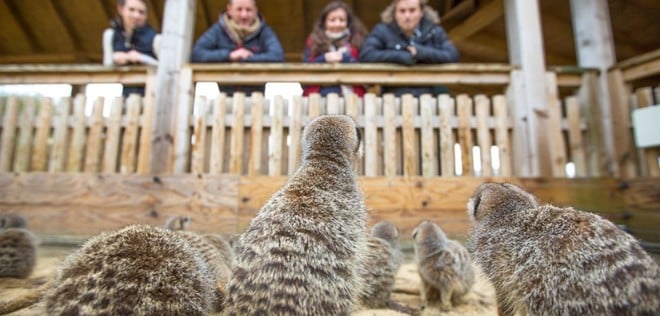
[429,233]
[178,222]
[12,221]
[387,231]
[498,197]
[330,135]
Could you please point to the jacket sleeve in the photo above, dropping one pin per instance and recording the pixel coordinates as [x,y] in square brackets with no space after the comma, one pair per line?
[375,50]
[207,48]
[272,50]
[438,50]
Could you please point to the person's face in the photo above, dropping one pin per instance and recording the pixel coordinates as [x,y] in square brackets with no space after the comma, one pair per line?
[133,13]
[408,14]
[243,12]
[336,21]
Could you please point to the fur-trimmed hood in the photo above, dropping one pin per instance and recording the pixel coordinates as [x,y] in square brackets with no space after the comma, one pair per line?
[387,16]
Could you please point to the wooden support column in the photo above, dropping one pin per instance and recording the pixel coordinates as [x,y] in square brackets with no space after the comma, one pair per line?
[175,48]
[527,94]
[595,48]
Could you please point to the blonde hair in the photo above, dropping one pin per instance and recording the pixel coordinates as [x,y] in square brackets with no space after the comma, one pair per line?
[387,16]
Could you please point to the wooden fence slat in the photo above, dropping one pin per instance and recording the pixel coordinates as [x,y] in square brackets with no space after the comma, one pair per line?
[556,135]
[588,95]
[237,129]
[8,132]
[276,128]
[446,106]
[576,143]
[144,151]
[130,137]
[24,141]
[649,155]
[482,107]
[464,106]
[110,153]
[40,152]
[218,134]
[180,150]
[256,131]
[429,157]
[502,134]
[333,103]
[370,136]
[295,133]
[389,135]
[77,147]
[93,149]
[313,105]
[620,106]
[199,136]
[353,110]
[58,149]
[408,130]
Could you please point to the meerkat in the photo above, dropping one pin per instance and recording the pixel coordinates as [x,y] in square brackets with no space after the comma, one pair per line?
[178,223]
[139,269]
[18,247]
[444,266]
[381,263]
[300,253]
[546,260]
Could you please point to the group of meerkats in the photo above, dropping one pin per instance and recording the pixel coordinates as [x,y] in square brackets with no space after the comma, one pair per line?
[309,251]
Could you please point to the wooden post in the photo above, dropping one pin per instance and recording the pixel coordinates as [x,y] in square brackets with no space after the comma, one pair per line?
[178,21]
[595,48]
[526,93]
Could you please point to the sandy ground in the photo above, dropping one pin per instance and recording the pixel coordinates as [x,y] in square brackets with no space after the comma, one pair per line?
[406,291]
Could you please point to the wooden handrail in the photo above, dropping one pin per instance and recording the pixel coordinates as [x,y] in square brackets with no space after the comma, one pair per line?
[639,67]
[73,74]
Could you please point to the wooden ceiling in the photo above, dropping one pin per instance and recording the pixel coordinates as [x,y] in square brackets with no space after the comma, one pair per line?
[69,31]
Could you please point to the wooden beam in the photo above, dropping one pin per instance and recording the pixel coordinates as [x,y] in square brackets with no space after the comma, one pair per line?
[109,8]
[68,27]
[153,17]
[479,20]
[208,15]
[25,27]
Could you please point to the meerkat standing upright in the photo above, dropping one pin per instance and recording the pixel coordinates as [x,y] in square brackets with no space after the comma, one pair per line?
[301,252]
[18,247]
[381,263]
[546,260]
[444,266]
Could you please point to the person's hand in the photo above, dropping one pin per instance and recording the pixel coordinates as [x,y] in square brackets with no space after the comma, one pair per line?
[134,56]
[120,58]
[333,57]
[412,50]
[239,54]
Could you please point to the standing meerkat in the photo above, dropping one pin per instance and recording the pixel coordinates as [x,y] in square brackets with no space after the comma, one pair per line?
[301,253]
[444,266]
[139,269]
[18,247]
[546,260]
[381,263]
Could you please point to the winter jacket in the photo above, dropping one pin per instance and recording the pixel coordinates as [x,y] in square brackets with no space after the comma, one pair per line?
[387,44]
[347,57]
[141,40]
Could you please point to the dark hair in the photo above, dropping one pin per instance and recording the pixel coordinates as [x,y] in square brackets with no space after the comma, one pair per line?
[321,43]
[121,3]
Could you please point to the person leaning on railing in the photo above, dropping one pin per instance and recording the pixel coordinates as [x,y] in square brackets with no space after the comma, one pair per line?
[130,40]
[336,38]
[240,35]
[409,34]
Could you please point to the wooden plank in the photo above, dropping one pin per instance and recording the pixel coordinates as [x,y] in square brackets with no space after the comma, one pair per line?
[275,156]
[408,130]
[482,18]
[236,146]
[555,133]
[482,109]
[588,97]
[502,134]
[621,124]
[370,136]
[110,153]
[58,149]
[333,103]
[218,134]
[24,140]
[429,147]
[464,108]
[146,125]
[314,106]
[199,136]
[77,146]
[129,143]
[181,149]
[446,107]
[40,152]
[93,149]
[256,130]
[576,143]
[8,132]
[295,134]
[649,155]
[389,135]
[353,110]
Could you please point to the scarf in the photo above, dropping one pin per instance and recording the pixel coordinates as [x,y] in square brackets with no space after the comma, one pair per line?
[237,32]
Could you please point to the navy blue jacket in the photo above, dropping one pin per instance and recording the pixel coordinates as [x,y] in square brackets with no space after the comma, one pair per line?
[387,44]
[215,45]
[141,40]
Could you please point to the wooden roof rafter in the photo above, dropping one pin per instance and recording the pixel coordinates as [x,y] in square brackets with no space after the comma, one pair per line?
[479,20]
[204,5]
[152,15]
[68,27]
[25,27]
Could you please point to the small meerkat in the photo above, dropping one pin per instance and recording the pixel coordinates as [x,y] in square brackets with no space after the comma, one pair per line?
[178,223]
[444,266]
[547,260]
[139,269]
[300,254]
[381,263]
[18,247]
